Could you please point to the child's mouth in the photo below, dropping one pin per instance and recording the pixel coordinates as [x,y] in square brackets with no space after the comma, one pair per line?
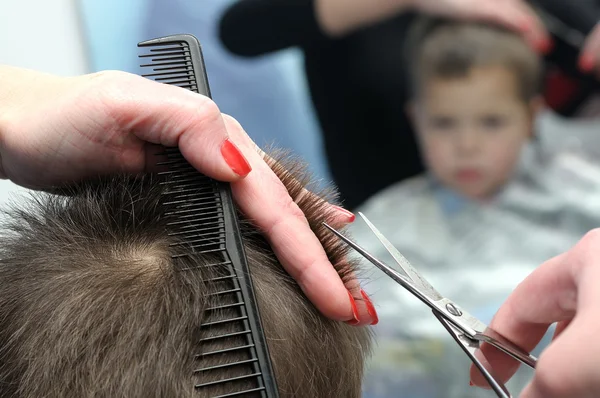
[468,175]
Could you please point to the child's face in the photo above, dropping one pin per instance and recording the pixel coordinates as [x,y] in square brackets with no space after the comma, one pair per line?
[472,129]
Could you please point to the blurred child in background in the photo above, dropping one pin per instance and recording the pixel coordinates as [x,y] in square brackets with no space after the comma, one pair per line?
[481,217]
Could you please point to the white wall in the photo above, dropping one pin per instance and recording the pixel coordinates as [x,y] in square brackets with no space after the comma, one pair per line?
[43,35]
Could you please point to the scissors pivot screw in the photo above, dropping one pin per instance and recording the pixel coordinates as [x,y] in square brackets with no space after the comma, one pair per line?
[453,309]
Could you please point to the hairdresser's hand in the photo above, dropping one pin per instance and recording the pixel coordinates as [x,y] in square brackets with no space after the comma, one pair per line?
[56,130]
[566,290]
[340,17]
[513,14]
[589,59]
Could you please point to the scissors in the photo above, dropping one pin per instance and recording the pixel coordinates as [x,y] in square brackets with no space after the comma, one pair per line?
[468,331]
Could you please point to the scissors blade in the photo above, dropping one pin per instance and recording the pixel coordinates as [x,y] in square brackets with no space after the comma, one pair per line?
[403,262]
[495,339]
[461,320]
[387,270]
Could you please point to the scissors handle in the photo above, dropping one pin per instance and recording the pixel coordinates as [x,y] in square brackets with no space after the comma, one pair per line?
[470,346]
[495,339]
[473,327]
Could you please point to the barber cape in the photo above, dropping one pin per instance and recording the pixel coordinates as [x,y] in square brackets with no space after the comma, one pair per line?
[474,254]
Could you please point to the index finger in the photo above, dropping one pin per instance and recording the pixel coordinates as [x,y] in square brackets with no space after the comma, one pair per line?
[266,202]
[547,295]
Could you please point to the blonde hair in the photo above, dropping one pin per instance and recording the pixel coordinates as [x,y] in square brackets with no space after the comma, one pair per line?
[451,49]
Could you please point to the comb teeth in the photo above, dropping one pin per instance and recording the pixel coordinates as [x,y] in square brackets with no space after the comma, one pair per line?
[170,64]
[172,61]
[205,222]
[198,210]
[199,224]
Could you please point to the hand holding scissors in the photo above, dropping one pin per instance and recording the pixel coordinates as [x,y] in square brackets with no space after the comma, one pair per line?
[468,331]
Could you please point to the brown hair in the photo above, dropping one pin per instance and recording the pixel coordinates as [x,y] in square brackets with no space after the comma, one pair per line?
[92,304]
[439,48]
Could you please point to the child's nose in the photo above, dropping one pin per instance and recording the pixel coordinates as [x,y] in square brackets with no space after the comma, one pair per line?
[468,141]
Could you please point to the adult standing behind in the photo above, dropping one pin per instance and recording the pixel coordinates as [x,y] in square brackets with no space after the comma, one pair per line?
[356,72]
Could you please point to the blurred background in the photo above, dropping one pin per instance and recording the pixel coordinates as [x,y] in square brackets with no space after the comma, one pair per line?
[478,256]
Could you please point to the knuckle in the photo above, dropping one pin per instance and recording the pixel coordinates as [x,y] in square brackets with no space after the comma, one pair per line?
[204,113]
[585,249]
[207,111]
[292,210]
[288,211]
[113,92]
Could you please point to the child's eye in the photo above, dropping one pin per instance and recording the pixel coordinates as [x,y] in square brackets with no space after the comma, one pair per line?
[442,123]
[493,122]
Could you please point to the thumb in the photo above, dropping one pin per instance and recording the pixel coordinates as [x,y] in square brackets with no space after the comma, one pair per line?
[174,117]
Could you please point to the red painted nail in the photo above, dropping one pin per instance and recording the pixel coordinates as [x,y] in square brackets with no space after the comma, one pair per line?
[370,308]
[235,159]
[471,384]
[351,216]
[586,62]
[355,321]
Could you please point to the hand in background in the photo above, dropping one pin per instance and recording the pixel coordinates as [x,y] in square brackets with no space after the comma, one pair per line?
[513,14]
[339,17]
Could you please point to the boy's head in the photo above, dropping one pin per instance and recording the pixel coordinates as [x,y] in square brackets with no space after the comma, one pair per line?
[93,304]
[475,96]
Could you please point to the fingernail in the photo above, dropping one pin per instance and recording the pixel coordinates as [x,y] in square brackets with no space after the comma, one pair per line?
[235,159]
[351,216]
[471,384]
[355,321]
[370,308]
[586,62]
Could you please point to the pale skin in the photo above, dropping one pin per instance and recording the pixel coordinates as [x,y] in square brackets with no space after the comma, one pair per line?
[473,145]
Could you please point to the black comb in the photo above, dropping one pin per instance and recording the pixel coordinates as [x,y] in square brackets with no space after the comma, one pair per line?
[206,208]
